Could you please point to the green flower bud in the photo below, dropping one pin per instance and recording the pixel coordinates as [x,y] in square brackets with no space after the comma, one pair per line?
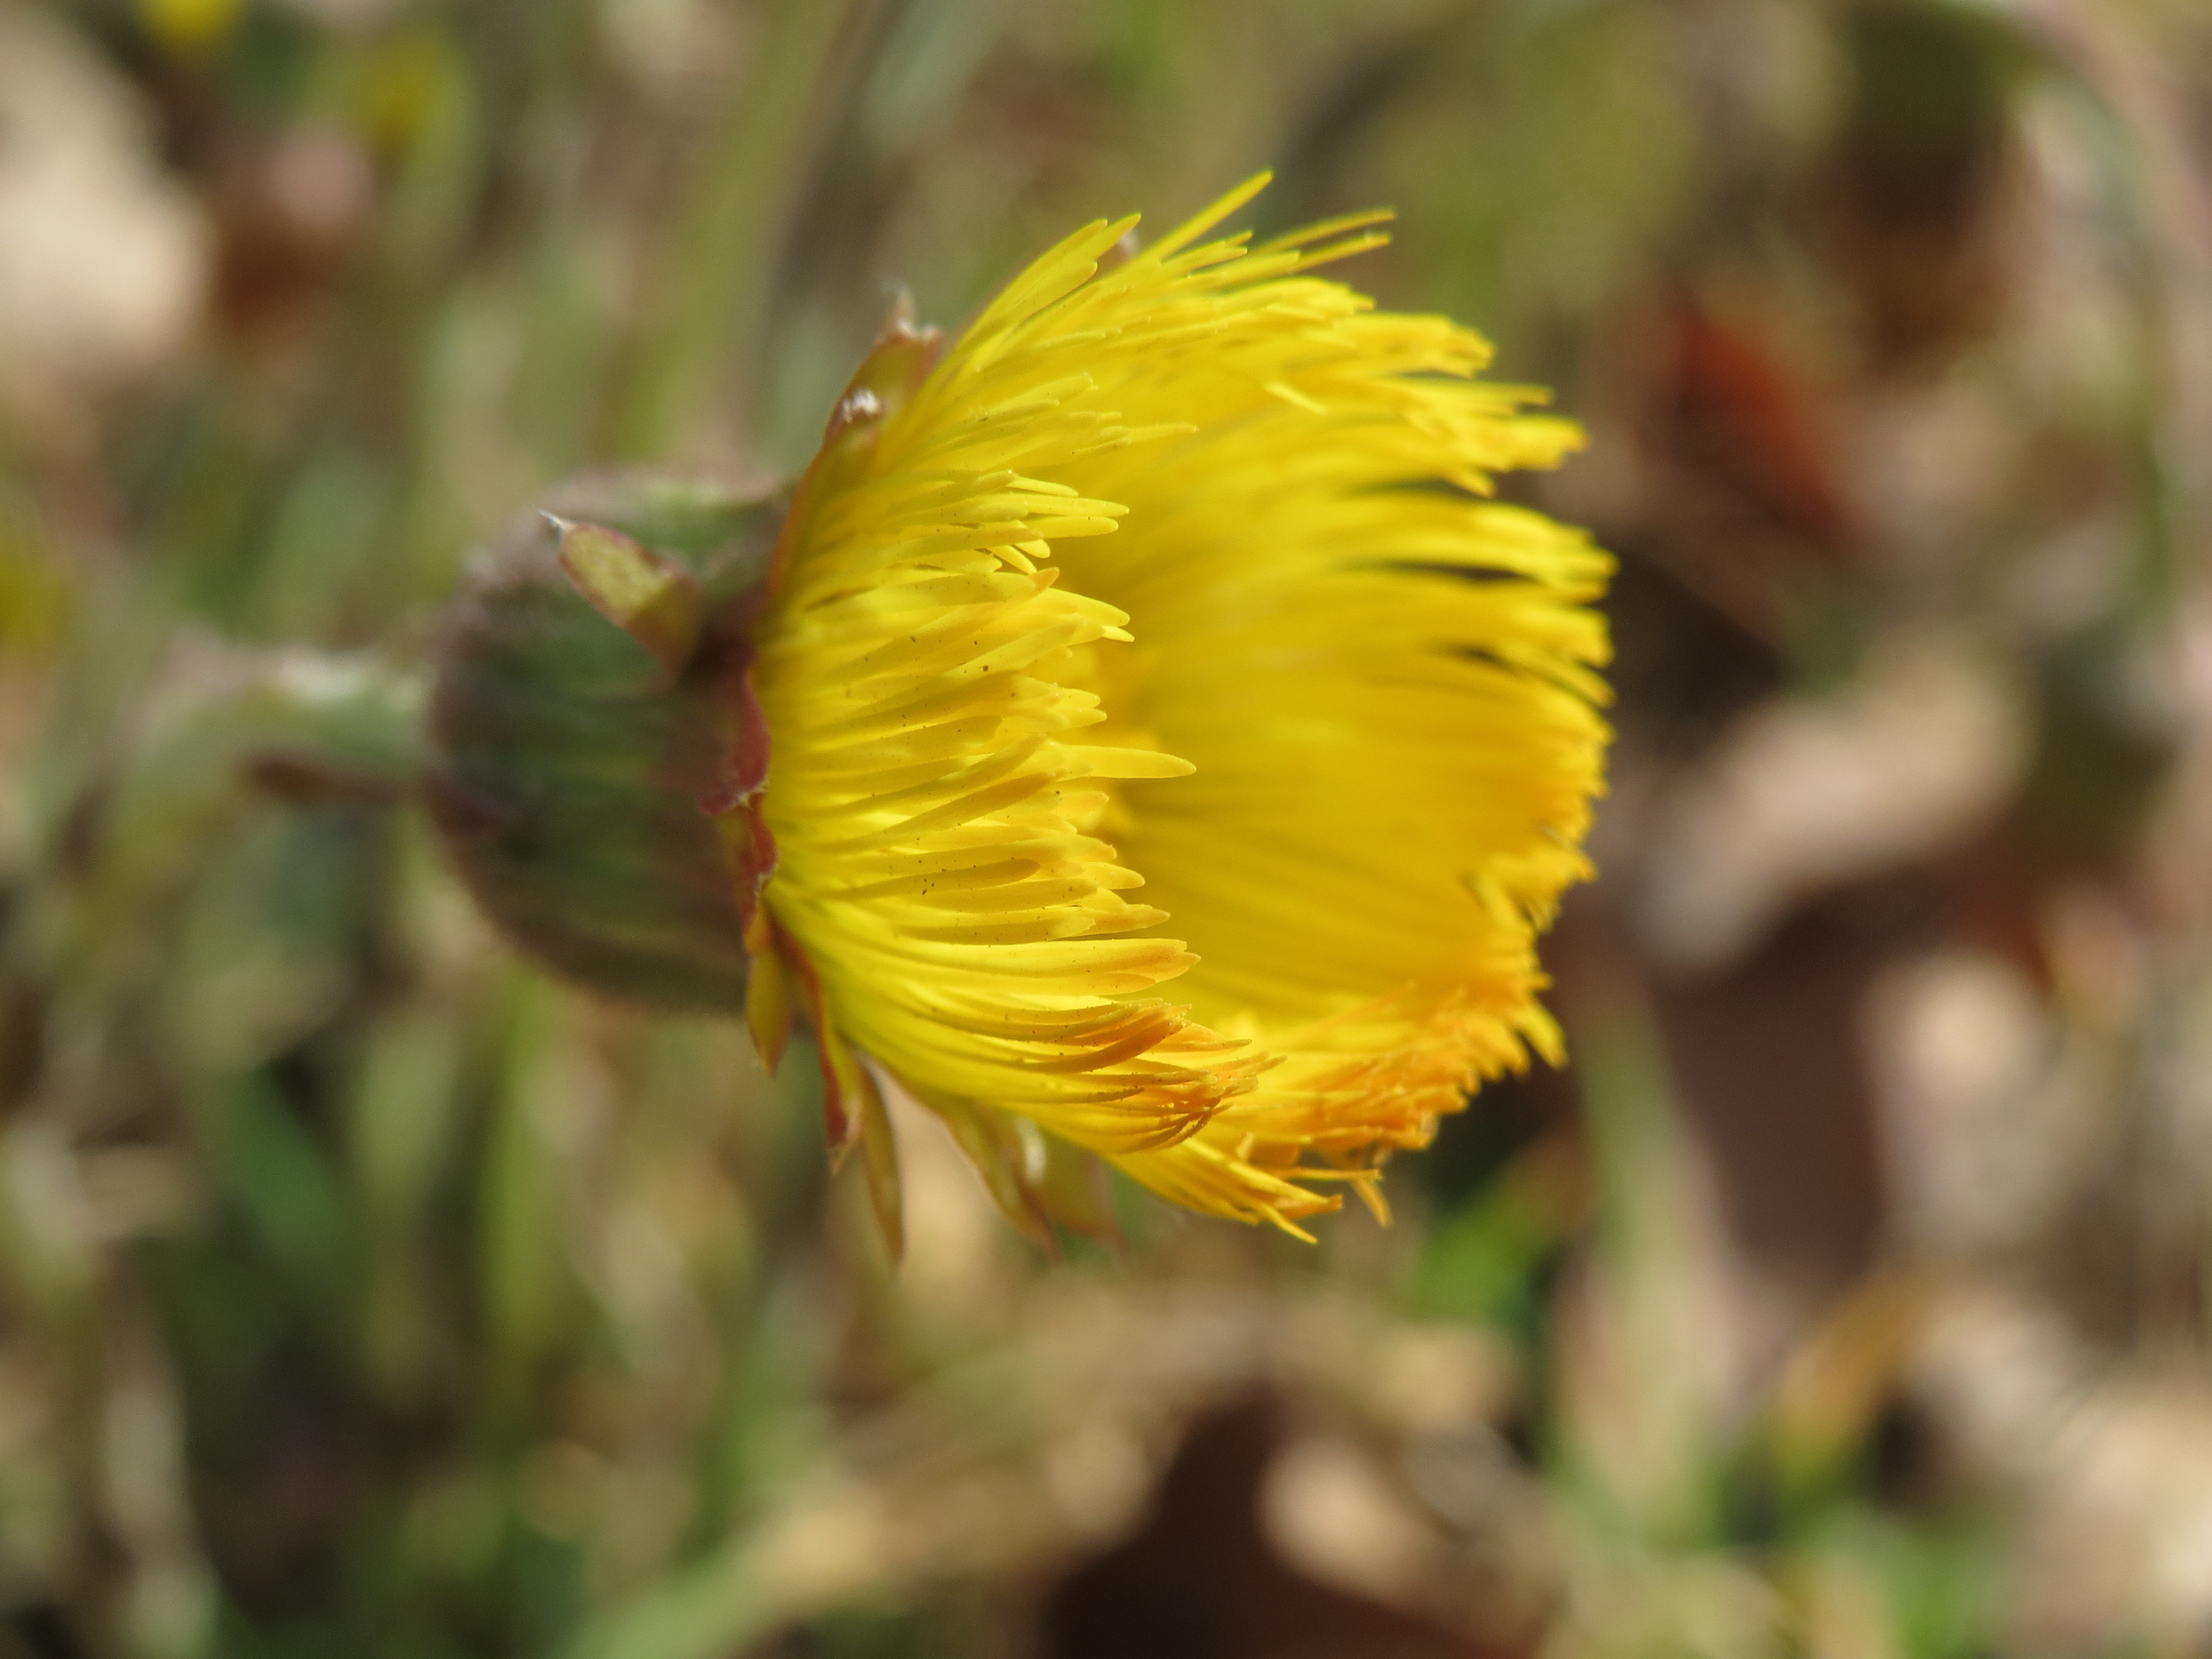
[589,722]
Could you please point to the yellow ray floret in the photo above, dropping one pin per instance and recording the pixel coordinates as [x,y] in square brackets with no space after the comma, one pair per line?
[1171,602]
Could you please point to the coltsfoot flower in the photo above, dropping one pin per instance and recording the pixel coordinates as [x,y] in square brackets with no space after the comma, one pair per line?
[1152,739]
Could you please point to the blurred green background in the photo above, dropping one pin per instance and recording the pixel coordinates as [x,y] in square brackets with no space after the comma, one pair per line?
[363,1292]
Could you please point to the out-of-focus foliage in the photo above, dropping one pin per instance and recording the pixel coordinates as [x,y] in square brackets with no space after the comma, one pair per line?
[363,1292]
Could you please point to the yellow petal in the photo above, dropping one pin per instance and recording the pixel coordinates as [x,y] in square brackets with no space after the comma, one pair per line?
[1287,668]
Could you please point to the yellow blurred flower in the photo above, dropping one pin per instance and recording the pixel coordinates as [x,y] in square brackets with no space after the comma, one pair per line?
[34,596]
[1174,753]
[188,24]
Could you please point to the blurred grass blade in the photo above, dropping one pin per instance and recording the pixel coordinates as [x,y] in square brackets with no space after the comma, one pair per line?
[723,266]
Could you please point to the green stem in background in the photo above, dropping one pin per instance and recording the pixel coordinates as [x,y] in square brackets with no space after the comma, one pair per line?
[216,726]
[2116,139]
[728,248]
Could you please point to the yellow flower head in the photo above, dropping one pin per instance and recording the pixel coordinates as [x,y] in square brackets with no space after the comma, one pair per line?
[1173,751]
